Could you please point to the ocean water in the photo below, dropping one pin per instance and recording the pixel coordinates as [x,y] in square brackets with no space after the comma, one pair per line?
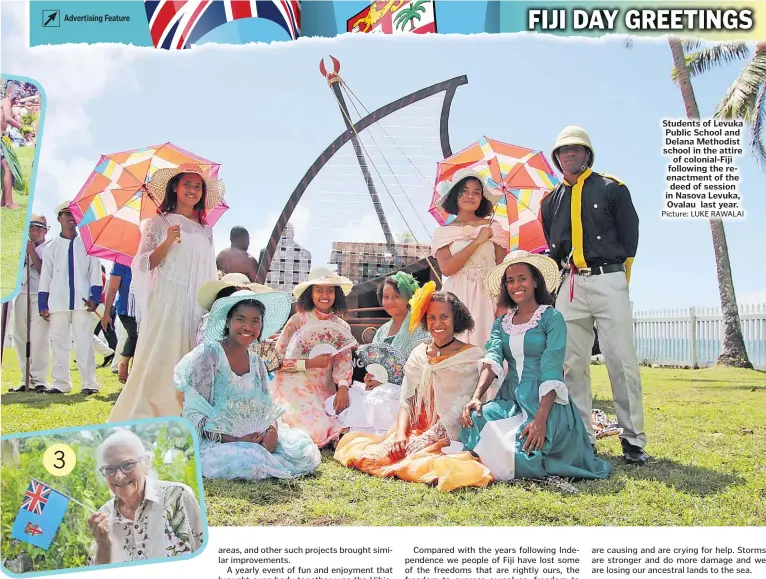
[678,351]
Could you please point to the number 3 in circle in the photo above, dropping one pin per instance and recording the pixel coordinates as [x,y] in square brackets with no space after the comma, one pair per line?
[59,459]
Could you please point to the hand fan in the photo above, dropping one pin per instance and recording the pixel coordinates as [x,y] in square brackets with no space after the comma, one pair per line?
[268,353]
[385,355]
[317,338]
[602,426]
[245,415]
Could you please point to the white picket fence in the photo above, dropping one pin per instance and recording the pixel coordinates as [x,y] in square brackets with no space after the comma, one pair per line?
[694,337]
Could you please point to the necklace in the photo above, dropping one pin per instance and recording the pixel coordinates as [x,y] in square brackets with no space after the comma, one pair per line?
[439,348]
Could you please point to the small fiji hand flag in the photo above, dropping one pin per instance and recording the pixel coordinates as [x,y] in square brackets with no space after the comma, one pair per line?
[40,515]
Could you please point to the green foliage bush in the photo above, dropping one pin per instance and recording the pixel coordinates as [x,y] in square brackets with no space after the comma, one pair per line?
[173,459]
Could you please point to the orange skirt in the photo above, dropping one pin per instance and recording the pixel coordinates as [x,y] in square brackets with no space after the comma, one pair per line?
[426,463]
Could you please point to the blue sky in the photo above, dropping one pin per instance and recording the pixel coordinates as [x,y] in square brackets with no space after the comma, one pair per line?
[265,113]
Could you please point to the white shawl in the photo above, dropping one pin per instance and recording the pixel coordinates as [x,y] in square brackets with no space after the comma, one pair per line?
[454,381]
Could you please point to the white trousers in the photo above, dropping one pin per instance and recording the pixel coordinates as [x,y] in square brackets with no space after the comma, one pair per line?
[100,347]
[80,324]
[604,299]
[39,347]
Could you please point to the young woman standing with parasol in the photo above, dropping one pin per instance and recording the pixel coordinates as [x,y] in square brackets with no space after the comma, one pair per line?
[175,257]
[469,247]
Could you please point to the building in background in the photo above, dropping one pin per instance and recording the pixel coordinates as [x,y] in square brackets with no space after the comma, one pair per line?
[362,262]
[291,264]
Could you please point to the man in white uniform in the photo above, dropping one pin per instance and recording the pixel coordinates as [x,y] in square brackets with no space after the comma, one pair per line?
[39,347]
[70,290]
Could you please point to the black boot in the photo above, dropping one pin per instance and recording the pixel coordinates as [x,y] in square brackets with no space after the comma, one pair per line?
[633,454]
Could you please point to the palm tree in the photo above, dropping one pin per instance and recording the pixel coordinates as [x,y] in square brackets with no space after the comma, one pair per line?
[410,14]
[745,99]
[734,351]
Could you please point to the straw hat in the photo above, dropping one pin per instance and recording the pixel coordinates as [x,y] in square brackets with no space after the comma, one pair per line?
[38,220]
[444,188]
[572,135]
[209,289]
[324,276]
[161,177]
[259,288]
[277,305]
[544,264]
[61,207]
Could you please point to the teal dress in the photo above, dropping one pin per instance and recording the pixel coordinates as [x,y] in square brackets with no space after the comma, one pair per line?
[535,355]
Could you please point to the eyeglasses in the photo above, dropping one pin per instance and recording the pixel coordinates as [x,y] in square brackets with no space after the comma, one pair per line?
[126,467]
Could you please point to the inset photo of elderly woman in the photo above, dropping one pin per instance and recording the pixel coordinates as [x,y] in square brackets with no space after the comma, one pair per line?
[116,495]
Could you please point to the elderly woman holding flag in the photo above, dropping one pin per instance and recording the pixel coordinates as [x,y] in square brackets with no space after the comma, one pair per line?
[147,518]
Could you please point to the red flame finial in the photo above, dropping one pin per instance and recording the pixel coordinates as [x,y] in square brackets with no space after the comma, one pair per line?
[333,75]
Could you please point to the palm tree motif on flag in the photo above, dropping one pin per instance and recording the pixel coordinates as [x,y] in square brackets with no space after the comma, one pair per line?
[409,14]
[392,17]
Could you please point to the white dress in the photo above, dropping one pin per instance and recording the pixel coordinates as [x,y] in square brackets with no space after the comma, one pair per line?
[468,283]
[372,411]
[168,313]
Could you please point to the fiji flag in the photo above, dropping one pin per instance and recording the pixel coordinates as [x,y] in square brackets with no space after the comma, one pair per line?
[40,515]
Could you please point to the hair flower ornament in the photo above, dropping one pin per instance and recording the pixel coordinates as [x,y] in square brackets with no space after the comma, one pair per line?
[419,303]
[406,284]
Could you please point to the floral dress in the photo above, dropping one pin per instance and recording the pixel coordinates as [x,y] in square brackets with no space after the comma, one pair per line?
[534,352]
[167,523]
[303,392]
[213,391]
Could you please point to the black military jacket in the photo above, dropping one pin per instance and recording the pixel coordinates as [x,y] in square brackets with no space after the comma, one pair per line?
[606,231]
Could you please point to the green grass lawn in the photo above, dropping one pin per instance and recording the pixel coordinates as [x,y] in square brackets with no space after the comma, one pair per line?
[707,440]
[12,228]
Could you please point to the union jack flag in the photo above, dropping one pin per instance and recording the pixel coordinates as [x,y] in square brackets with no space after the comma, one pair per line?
[175,25]
[36,497]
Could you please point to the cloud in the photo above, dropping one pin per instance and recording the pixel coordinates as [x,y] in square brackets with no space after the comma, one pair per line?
[366,229]
[71,76]
[751,298]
